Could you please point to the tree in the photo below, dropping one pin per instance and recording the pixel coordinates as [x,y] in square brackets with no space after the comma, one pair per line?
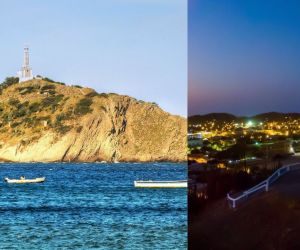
[10,81]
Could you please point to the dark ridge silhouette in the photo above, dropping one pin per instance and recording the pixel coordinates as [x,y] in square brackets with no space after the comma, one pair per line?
[275,116]
[212,116]
[226,117]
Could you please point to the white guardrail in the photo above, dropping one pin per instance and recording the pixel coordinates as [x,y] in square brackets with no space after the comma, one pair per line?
[262,186]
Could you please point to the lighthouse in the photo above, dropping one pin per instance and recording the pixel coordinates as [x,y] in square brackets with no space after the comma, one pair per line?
[25,74]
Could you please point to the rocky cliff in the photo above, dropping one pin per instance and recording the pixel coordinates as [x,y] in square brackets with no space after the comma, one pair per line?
[44,121]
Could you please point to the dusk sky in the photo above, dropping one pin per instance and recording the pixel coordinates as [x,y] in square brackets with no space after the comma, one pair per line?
[132,47]
[244,56]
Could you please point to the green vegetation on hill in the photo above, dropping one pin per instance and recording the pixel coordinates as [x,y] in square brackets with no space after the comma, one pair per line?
[8,82]
[45,121]
[83,106]
[41,104]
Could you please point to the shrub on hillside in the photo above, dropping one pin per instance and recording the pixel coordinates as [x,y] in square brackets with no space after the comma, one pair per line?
[77,86]
[52,101]
[103,108]
[9,81]
[34,107]
[15,124]
[13,102]
[6,117]
[25,104]
[60,83]
[60,117]
[50,89]
[24,142]
[103,95]
[83,106]
[19,113]
[51,92]
[91,94]
[79,129]
[29,121]
[63,129]
[27,90]
[47,87]
[48,79]
[58,98]
[63,116]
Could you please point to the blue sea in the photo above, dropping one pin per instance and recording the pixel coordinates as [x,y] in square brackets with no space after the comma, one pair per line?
[92,206]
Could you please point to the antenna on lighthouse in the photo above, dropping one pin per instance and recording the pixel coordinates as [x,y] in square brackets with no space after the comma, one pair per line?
[26,56]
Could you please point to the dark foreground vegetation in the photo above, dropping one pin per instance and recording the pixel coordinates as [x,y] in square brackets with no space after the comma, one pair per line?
[270,220]
[219,182]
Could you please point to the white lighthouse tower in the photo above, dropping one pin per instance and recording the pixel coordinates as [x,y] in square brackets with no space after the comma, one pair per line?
[26,73]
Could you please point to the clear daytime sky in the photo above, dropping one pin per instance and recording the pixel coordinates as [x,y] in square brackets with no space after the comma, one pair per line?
[132,47]
[244,56]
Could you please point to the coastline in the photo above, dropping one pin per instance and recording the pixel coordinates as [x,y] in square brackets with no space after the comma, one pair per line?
[98,162]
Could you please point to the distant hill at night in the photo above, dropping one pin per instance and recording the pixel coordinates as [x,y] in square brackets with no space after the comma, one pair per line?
[226,117]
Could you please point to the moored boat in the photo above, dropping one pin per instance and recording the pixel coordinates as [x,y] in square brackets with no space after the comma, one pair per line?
[161,184]
[24,181]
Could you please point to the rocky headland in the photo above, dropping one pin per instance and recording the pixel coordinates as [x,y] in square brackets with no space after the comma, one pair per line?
[46,121]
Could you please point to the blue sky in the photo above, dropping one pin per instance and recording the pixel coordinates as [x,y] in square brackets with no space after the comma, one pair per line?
[132,47]
[244,56]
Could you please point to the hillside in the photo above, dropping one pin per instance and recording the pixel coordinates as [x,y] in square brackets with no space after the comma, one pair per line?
[210,117]
[267,221]
[225,117]
[44,121]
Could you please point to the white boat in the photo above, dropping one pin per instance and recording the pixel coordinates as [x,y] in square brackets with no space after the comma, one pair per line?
[24,181]
[161,184]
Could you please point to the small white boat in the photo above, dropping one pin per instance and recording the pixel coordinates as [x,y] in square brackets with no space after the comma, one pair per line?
[161,184]
[24,181]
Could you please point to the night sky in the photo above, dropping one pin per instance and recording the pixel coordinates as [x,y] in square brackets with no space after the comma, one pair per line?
[244,56]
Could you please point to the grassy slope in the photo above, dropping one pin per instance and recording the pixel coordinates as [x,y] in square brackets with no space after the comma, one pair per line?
[25,107]
[103,125]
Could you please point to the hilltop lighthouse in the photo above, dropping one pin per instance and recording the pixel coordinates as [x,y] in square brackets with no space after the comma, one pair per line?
[25,74]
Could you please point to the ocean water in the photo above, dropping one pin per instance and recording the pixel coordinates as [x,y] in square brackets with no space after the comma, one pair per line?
[92,206]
